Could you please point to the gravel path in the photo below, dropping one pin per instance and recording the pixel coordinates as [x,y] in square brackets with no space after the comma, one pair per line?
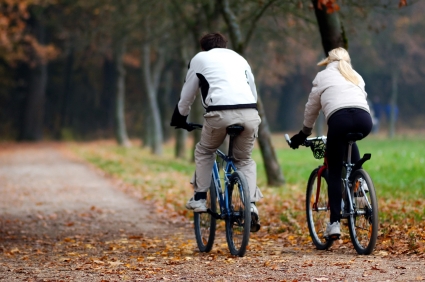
[61,220]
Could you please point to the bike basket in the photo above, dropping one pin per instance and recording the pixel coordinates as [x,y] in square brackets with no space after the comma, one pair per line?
[318,148]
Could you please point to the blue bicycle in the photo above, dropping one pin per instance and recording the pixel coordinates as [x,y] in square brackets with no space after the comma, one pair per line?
[234,205]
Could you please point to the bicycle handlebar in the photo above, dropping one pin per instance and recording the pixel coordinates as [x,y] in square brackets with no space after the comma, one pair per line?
[308,142]
[195,125]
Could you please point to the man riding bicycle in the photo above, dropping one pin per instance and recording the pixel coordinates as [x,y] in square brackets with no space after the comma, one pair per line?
[229,96]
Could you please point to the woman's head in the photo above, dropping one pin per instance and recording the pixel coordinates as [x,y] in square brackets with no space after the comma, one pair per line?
[341,56]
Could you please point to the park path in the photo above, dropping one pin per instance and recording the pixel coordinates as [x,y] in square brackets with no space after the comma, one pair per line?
[49,200]
[62,220]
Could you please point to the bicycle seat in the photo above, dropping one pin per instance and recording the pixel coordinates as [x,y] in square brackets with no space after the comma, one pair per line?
[354,136]
[234,130]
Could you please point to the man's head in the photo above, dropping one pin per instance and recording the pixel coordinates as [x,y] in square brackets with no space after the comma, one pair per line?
[213,40]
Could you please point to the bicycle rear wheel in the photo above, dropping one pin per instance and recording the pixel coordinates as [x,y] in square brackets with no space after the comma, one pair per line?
[363,224]
[238,224]
[205,223]
[318,213]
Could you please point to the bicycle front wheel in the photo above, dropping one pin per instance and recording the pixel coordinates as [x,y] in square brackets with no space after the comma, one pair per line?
[317,209]
[238,224]
[363,223]
[205,223]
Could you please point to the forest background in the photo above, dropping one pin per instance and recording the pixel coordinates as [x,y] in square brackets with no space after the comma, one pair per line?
[82,70]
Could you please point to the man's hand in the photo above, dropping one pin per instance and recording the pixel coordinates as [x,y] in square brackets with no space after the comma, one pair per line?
[298,139]
[178,120]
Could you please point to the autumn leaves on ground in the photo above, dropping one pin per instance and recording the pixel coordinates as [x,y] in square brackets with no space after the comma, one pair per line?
[123,218]
[164,180]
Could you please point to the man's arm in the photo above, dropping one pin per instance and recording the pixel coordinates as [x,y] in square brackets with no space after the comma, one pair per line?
[251,82]
[190,89]
[187,97]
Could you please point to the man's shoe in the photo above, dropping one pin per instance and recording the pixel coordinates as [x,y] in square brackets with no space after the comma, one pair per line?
[197,206]
[255,218]
[333,231]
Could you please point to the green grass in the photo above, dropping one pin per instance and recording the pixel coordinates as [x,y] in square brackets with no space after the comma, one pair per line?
[396,166]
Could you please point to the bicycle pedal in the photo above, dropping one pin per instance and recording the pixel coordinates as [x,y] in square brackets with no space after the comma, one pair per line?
[255,225]
[333,237]
[213,214]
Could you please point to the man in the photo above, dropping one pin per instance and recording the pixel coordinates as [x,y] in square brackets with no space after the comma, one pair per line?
[229,97]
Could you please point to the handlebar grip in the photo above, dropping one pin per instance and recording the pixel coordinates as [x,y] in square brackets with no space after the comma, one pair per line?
[288,140]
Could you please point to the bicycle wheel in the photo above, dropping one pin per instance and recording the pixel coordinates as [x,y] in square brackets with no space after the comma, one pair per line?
[205,224]
[363,224]
[318,214]
[238,224]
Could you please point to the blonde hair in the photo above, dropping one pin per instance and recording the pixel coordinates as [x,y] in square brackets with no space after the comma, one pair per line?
[344,64]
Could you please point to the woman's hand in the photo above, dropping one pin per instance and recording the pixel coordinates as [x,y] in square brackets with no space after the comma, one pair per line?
[298,139]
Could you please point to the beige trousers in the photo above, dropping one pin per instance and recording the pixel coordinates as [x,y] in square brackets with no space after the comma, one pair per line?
[212,136]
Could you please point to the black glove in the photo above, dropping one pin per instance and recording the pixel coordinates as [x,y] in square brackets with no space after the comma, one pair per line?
[298,139]
[177,119]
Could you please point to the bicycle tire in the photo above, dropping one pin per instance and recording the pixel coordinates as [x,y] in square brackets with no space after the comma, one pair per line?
[318,218]
[205,223]
[238,224]
[363,227]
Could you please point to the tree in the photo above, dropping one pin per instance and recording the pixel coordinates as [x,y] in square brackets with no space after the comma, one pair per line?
[23,41]
[332,34]
[152,74]
[239,43]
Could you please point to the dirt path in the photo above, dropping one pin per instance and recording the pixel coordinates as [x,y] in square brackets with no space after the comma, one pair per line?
[60,220]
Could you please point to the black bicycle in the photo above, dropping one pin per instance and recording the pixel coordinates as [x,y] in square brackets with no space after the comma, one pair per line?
[359,202]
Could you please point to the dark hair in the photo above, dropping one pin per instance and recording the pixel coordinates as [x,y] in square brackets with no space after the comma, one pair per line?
[213,40]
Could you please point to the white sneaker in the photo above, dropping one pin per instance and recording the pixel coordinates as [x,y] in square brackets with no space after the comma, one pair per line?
[255,218]
[333,230]
[197,206]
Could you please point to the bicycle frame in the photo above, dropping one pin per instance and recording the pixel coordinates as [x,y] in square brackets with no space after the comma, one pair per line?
[222,195]
[346,181]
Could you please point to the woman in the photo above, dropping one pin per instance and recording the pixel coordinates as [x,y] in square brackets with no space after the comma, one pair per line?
[339,92]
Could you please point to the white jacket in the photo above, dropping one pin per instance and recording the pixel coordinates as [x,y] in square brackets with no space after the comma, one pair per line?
[332,92]
[225,80]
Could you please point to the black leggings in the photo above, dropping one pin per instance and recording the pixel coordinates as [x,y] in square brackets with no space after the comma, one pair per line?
[342,122]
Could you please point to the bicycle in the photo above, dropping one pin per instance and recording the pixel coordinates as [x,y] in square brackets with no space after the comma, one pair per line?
[359,203]
[234,205]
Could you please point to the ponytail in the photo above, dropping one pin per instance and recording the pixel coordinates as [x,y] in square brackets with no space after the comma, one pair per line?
[344,64]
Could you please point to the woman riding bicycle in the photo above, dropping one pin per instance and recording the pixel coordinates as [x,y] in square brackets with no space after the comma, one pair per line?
[339,92]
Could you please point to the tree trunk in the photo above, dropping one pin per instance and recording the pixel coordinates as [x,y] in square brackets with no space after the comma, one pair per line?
[393,104]
[34,108]
[152,85]
[120,127]
[333,36]
[67,92]
[273,169]
[181,135]
[109,74]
